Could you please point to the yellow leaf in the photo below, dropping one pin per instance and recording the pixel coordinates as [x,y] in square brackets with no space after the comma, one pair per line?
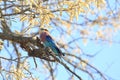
[17,9]
[61,12]
[85,41]
[68,2]
[23,18]
[84,32]
[1,42]
[30,19]
[51,15]
[100,3]
[72,15]
[47,19]
[84,64]
[28,2]
[1,46]
[33,2]
[68,25]
[99,34]
[77,50]
[76,14]
[17,32]
[36,22]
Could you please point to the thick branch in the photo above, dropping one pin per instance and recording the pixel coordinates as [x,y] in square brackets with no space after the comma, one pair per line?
[25,42]
[16,38]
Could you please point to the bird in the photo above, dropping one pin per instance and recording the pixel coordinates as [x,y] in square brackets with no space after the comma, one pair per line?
[48,41]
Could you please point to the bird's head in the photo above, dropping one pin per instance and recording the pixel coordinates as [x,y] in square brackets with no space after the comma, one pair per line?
[43,30]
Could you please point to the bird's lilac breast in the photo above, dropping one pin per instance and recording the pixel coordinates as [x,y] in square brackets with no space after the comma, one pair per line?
[43,37]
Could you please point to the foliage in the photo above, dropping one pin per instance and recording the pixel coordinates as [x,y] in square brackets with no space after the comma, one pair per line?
[69,21]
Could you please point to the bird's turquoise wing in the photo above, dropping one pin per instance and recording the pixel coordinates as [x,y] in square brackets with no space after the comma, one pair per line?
[49,42]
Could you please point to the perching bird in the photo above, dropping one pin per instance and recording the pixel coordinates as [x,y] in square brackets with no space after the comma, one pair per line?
[49,42]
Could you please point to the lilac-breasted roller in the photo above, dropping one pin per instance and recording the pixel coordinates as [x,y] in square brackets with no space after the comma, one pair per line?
[49,42]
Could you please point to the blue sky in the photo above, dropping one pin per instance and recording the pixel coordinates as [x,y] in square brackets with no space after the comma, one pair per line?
[107,60]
